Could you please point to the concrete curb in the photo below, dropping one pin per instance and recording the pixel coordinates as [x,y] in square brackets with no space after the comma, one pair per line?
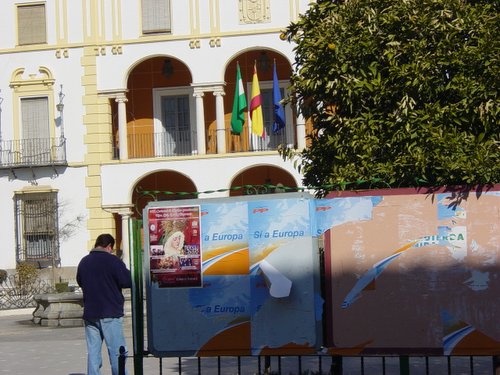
[13,312]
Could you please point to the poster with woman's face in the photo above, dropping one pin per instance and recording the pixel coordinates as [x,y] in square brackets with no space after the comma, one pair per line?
[174,246]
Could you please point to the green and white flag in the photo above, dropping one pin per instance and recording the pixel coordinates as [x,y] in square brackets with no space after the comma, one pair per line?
[239,104]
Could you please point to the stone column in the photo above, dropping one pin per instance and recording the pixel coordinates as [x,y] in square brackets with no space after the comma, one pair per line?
[200,123]
[125,236]
[301,133]
[122,126]
[221,126]
[125,212]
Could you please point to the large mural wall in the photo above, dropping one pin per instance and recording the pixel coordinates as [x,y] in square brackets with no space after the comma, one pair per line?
[406,272]
[414,272]
[235,276]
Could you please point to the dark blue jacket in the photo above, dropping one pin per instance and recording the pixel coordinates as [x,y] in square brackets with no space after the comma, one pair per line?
[102,276]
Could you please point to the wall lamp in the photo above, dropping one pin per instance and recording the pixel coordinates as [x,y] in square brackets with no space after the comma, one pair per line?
[60,105]
[263,62]
[167,69]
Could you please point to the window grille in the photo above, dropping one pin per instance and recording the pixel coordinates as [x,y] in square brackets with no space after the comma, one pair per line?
[31,24]
[37,238]
[156,16]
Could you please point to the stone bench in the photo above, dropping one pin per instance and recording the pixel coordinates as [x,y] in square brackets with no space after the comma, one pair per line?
[59,310]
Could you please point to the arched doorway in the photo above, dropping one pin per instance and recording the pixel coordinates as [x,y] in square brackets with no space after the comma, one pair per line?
[262,179]
[161,186]
[160,110]
[264,61]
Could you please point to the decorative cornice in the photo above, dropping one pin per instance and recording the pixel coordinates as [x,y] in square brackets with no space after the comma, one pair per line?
[44,78]
[118,94]
[120,209]
[208,87]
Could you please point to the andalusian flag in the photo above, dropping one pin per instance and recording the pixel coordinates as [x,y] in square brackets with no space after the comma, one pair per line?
[239,104]
[256,106]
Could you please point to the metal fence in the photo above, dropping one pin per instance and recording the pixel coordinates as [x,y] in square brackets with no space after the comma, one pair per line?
[322,365]
[33,152]
[17,293]
[167,143]
[183,142]
[245,142]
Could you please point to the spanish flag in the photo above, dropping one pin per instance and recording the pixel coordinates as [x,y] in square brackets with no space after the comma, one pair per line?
[256,106]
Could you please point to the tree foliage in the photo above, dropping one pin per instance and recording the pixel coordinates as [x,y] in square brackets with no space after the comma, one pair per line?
[404,92]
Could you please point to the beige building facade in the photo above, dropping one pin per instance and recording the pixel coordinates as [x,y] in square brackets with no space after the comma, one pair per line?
[102,100]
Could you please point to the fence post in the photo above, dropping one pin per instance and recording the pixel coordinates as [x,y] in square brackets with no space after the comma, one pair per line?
[121,360]
[496,365]
[404,365]
[267,365]
[135,246]
[336,367]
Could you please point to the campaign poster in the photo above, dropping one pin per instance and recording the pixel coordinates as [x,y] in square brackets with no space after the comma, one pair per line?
[174,246]
[413,272]
[260,289]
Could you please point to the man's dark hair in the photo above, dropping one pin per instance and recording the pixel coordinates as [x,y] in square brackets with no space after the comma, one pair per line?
[104,240]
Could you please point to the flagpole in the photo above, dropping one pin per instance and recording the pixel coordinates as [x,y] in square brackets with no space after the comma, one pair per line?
[249,115]
[256,105]
[250,125]
[279,121]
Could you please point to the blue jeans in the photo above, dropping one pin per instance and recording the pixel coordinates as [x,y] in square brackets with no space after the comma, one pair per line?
[111,331]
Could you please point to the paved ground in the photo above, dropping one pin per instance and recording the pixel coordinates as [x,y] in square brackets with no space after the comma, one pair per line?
[27,349]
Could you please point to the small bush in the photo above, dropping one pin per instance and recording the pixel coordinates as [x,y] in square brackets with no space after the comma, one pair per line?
[27,273]
[62,287]
[3,276]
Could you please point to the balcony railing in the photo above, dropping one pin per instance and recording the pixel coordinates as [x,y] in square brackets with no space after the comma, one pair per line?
[171,143]
[245,142]
[33,152]
[179,143]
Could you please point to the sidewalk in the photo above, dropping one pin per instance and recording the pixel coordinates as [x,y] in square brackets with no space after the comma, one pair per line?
[28,349]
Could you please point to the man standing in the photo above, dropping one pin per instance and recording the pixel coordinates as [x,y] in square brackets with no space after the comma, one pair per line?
[102,275]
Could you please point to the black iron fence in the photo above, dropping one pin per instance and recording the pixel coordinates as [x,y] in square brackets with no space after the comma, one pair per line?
[33,152]
[183,142]
[322,365]
[245,142]
[18,292]
[162,144]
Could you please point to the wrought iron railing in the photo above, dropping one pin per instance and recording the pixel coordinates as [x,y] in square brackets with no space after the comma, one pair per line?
[16,292]
[181,143]
[170,143]
[245,142]
[33,152]
[320,365]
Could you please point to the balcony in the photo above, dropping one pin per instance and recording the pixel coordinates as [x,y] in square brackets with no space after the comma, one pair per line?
[183,143]
[171,143]
[33,152]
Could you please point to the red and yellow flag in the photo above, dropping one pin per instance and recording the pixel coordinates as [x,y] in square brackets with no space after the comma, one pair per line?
[256,106]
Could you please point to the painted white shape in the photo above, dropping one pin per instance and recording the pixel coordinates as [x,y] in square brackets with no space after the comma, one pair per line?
[279,285]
